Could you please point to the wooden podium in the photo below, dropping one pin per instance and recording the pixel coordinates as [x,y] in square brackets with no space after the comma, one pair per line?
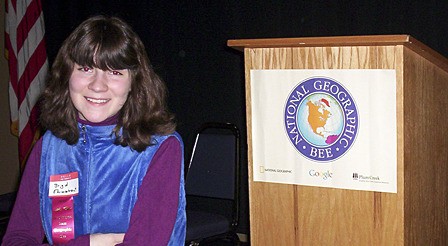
[283,214]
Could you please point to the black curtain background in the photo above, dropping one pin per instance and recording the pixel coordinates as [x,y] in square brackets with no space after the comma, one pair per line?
[186,43]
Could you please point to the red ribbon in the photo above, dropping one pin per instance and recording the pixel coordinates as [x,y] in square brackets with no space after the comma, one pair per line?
[62,220]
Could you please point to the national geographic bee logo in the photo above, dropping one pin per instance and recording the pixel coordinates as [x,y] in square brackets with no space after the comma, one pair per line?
[321,119]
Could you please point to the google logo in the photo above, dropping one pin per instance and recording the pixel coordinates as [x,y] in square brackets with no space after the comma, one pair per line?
[324,175]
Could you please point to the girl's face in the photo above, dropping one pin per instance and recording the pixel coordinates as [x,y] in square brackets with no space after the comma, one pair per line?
[98,94]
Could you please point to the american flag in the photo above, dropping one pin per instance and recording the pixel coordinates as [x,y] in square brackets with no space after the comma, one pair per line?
[28,66]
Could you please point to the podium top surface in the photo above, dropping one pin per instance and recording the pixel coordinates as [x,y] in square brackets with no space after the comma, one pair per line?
[240,44]
[334,41]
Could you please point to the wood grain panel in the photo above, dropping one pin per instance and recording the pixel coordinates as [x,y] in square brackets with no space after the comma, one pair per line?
[426,152]
[271,206]
[337,41]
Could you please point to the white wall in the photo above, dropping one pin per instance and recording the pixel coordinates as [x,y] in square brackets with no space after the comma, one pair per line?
[9,157]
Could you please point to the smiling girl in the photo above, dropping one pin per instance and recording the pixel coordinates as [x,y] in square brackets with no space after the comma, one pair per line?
[109,169]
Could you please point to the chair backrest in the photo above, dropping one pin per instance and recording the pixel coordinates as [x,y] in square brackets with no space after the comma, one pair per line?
[214,165]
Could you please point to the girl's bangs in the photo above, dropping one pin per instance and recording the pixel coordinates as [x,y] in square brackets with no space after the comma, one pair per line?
[105,53]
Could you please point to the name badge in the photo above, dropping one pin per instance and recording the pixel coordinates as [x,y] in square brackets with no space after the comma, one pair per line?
[64,185]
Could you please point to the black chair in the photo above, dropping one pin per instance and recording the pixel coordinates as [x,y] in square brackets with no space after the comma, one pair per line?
[212,185]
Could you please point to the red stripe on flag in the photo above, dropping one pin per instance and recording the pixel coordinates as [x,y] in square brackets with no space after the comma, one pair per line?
[32,68]
[26,138]
[29,19]
[12,62]
[13,5]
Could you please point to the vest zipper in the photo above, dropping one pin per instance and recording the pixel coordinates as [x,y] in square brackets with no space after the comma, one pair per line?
[83,133]
[87,149]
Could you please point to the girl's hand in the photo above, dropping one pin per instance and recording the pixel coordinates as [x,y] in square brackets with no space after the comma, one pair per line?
[108,239]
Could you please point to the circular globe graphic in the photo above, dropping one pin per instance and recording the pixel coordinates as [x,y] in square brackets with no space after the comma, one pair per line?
[321,118]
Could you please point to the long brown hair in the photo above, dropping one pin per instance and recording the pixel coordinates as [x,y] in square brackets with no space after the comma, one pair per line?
[108,43]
